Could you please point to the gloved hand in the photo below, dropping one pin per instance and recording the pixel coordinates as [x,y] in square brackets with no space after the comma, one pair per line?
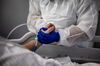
[47,38]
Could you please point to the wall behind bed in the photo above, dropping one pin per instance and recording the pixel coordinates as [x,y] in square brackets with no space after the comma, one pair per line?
[13,13]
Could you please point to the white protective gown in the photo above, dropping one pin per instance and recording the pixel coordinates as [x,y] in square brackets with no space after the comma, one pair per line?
[78,16]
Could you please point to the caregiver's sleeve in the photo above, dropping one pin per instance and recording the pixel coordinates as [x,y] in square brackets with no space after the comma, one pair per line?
[34,21]
[86,24]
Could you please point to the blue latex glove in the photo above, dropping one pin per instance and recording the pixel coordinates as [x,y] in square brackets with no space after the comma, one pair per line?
[47,38]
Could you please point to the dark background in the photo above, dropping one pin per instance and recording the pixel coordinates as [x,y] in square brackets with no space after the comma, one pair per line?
[14,12]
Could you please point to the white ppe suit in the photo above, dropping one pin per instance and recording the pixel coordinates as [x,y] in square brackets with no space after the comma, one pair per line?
[67,16]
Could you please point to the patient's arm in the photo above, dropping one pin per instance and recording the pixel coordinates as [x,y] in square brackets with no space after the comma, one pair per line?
[29,45]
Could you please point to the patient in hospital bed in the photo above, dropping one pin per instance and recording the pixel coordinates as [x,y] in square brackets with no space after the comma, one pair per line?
[12,54]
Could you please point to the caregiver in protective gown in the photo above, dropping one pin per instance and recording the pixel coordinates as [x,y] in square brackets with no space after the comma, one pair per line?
[74,20]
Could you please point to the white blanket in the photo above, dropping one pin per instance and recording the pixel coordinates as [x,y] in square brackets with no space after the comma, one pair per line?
[14,55]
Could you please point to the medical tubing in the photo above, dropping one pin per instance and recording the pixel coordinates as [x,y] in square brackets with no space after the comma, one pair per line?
[15,29]
[23,38]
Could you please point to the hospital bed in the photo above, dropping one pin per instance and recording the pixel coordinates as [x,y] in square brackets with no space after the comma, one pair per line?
[79,55]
